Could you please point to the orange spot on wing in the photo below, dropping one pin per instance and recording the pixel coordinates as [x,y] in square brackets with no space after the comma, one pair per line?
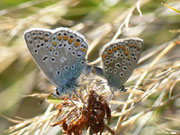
[65,37]
[119,47]
[130,45]
[70,40]
[126,52]
[135,45]
[40,36]
[114,49]
[54,43]
[109,51]
[46,39]
[76,44]
[123,47]
[83,50]
[50,48]
[59,37]
[104,56]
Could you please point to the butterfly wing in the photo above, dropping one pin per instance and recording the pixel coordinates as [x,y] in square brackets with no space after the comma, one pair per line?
[59,53]
[119,59]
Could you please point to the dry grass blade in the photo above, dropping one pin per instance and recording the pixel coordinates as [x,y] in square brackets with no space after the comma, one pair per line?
[170,46]
[152,94]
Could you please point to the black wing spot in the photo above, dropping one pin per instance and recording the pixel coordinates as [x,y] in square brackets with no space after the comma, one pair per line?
[73,67]
[58,72]
[60,45]
[133,54]
[78,40]
[121,74]
[66,67]
[56,53]
[82,62]
[125,68]
[52,59]
[42,44]
[35,51]
[107,62]
[79,55]
[45,58]
[73,53]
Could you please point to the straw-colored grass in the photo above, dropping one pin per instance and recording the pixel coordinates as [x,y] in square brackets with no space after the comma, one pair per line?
[149,106]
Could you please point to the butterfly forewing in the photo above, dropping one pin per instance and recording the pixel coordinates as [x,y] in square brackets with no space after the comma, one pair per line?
[59,53]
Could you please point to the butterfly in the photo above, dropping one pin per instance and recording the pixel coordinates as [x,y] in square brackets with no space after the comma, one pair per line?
[60,54]
[119,59]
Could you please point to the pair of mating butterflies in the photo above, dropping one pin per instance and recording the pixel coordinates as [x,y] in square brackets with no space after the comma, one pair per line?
[61,55]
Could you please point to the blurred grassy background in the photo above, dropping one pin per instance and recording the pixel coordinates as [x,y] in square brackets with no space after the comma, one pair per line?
[98,20]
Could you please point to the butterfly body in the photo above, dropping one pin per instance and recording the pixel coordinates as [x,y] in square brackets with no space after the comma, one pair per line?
[60,54]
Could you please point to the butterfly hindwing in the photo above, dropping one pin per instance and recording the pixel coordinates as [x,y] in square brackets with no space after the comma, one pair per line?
[119,59]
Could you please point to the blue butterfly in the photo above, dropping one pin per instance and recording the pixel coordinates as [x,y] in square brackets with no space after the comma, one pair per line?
[60,54]
[119,59]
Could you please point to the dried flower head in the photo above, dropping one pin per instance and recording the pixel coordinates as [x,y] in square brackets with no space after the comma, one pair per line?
[91,115]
